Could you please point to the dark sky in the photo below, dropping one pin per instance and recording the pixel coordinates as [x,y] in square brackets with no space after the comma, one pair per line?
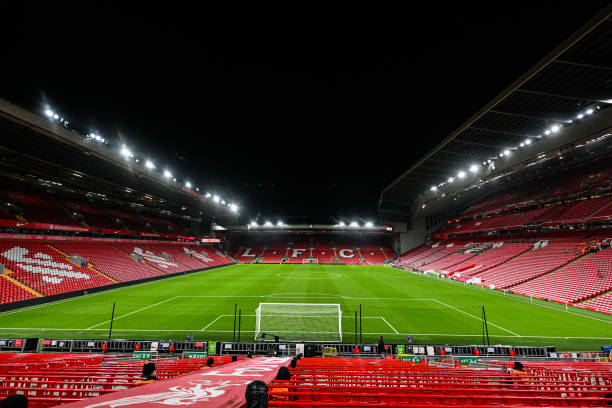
[301,113]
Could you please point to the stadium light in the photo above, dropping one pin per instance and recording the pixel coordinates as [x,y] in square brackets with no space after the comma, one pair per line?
[223,202]
[461,174]
[49,113]
[354,224]
[187,184]
[433,188]
[555,128]
[267,224]
[369,224]
[589,111]
[280,223]
[55,116]
[216,198]
[474,168]
[489,161]
[527,141]
[233,208]
[547,132]
[208,195]
[341,224]
[167,174]
[451,179]
[580,116]
[125,152]
[253,224]
[506,152]
[149,164]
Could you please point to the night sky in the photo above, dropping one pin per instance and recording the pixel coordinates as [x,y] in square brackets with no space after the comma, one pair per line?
[314,115]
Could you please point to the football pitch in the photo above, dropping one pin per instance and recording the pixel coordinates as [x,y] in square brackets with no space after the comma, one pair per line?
[394,303]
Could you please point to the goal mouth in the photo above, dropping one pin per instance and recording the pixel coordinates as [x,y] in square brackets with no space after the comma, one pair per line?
[299,322]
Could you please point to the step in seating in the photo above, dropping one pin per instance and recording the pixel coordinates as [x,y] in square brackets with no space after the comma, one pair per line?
[393,383]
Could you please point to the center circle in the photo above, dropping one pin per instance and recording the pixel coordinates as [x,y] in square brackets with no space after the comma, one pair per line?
[308,275]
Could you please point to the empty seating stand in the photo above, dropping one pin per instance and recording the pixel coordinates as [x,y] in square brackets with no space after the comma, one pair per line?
[52,379]
[393,383]
[45,269]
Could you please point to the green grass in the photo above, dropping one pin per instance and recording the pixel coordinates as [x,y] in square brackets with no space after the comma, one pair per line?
[432,310]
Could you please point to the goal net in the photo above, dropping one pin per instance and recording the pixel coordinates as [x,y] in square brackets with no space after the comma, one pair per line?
[299,322]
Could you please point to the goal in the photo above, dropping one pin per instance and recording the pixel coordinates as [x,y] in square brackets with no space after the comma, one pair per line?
[310,261]
[299,322]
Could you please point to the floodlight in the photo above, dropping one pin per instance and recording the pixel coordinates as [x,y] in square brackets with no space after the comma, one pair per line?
[187,184]
[280,223]
[527,141]
[522,144]
[555,128]
[253,224]
[233,207]
[125,152]
[149,164]
[461,174]
[49,113]
[208,195]
[341,224]
[474,168]
[354,224]
[433,188]
[222,201]
[369,224]
[267,224]
[580,116]
[167,174]
[507,152]
[56,116]
[451,179]
[216,198]
[547,132]
[589,111]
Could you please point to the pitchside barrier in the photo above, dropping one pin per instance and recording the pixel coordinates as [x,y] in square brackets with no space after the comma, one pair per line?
[171,347]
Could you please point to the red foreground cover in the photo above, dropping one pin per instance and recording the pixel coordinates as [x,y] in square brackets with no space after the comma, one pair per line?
[214,387]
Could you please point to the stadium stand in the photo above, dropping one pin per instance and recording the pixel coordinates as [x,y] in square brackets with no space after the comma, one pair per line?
[349,250]
[52,379]
[360,382]
[35,207]
[38,268]
[47,270]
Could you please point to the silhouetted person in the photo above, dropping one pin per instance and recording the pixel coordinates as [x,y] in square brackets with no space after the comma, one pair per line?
[294,362]
[149,374]
[234,358]
[256,394]
[14,401]
[380,347]
[210,362]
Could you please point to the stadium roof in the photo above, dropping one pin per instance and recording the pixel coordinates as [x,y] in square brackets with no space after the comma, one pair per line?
[40,151]
[559,90]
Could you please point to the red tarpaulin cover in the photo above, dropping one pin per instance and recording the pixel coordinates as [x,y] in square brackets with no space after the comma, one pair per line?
[214,387]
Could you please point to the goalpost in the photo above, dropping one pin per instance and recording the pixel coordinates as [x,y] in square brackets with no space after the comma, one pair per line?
[299,322]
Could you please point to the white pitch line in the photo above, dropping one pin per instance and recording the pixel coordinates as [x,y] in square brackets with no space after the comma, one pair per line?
[388,324]
[135,311]
[220,316]
[253,331]
[301,297]
[476,317]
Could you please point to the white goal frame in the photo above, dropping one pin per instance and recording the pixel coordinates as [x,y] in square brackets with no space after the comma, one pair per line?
[258,319]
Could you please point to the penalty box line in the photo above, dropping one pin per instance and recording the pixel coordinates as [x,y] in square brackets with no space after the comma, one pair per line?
[344,317]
